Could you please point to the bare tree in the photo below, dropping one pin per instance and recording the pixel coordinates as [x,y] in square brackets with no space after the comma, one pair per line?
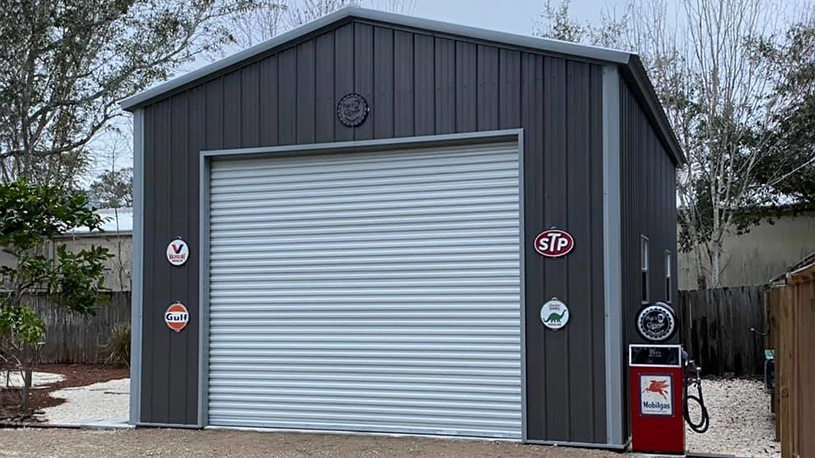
[113,189]
[273,17]
[557,23]
[394,6]
[300,12]
[714,91]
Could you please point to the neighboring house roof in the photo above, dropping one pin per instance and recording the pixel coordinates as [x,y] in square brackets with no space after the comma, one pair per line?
[114,220]
[630,64]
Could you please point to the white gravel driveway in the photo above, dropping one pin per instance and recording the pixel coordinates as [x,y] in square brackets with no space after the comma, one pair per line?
[740,420]
[741,423]
[108,401]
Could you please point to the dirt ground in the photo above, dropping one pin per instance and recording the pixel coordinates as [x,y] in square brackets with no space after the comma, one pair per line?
[63,443]
[75,375]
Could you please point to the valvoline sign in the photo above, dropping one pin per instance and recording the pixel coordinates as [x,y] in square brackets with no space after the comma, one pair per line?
[554,243]
[177,252]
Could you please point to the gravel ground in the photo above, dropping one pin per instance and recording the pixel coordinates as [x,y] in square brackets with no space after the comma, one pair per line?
[60,443]
[741,423]
[38,379]
[98,402]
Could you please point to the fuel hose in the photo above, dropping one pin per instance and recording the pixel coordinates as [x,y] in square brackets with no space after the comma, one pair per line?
[704,422]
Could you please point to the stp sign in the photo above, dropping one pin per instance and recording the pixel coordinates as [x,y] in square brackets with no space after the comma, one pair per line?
[176,316]
[554,243]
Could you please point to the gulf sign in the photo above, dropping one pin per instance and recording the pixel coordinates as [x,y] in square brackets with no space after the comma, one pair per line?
[176,317]
[554,243]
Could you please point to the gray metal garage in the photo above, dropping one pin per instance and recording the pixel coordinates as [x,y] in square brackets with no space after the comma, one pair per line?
[384,224]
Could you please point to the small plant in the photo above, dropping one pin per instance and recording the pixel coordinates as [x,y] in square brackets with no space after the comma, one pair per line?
[118,346]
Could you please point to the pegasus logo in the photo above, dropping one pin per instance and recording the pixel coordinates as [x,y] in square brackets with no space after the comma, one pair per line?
[659,387]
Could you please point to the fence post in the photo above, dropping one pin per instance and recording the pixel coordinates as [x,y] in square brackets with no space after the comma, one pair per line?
[786,373]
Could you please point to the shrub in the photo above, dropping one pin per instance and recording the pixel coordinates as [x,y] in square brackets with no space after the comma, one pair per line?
[118,346]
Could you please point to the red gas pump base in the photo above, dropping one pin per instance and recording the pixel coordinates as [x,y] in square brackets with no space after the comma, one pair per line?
[656,387]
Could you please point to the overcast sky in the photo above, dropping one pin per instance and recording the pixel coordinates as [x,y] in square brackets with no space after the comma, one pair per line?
[515,16]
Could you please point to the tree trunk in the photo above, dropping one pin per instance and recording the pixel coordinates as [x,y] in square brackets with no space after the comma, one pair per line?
[701,278]
[715,256]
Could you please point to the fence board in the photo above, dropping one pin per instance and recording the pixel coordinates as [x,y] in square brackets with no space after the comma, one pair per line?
[70,338]
[716,327]
[792,307]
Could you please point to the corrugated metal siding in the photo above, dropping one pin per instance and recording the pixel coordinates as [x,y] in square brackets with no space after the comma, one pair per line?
[371,291]
[406,76]
[648,208]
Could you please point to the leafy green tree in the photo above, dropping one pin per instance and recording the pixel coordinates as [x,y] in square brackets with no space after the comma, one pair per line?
[790,170]
[66,64]
[32,216]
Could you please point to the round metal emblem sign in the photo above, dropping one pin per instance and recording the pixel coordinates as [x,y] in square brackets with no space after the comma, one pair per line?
[176,317]
[352,110]
[554,314]
[178,252]
[656,322]
[554,243]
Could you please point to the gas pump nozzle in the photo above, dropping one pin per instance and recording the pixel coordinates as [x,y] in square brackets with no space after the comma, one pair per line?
[693,376]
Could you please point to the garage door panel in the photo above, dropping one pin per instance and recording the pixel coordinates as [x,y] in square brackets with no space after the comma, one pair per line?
[355,194]
[374,166]
[368,292]
[428,213]
[319,355]
[272,222]
[360,425]
[350,205]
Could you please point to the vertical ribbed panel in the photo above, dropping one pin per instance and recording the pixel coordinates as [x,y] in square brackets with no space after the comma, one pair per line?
[367,292]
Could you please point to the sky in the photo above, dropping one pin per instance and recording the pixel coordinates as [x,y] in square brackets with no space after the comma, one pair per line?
[513,16]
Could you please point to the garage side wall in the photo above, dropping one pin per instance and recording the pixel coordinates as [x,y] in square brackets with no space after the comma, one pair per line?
[416,84]
[648,209]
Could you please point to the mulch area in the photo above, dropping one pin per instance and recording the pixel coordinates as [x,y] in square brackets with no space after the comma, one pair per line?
[75,375]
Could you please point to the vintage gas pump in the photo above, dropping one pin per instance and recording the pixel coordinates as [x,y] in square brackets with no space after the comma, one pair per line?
[658,378]
[657,385]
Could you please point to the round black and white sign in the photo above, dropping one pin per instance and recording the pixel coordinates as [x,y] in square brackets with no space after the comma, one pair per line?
[656,322]
[352,110]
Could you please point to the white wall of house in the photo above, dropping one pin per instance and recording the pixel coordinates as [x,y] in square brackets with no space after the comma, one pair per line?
[116,237]
[761,254]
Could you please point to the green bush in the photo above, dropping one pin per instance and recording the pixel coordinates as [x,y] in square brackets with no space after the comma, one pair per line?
[118,346]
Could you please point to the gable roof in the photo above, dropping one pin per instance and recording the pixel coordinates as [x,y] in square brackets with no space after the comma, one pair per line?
[630,65]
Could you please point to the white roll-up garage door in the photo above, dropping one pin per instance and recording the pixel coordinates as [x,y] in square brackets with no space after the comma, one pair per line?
[372,292]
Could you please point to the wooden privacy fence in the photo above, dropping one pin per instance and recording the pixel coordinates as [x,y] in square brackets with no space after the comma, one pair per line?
[715,329]
[791,314]
[70,338]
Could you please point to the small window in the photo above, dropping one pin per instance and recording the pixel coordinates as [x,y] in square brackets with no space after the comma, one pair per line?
[644,268]
[668,284]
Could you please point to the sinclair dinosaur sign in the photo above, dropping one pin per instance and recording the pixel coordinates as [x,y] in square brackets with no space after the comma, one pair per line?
[554,314]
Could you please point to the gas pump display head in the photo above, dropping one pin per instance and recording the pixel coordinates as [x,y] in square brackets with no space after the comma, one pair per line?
[656,322]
